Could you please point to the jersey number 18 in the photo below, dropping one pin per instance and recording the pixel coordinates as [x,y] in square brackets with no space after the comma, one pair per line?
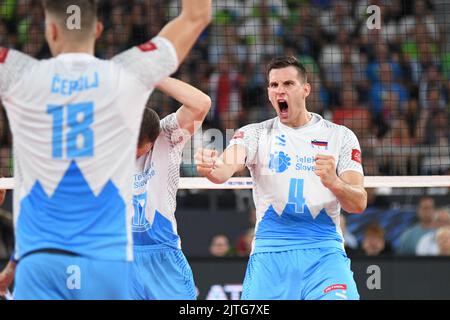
[79,139]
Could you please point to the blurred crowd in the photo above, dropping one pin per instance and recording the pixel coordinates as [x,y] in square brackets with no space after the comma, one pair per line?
[389,85]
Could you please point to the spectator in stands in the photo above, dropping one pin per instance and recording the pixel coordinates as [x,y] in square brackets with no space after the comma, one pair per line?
[385,86]
[437,130]
[415,118]
[350,241]
[427,245]
[245,242]
[374,243]
[262,28]
[351,114]
[423,16]
[432,89]
[410,237]
[220,246]
[443,240]
[303,32]
[337,18]
[225,91]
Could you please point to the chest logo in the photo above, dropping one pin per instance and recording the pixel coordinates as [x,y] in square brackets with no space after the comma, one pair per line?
[279,162]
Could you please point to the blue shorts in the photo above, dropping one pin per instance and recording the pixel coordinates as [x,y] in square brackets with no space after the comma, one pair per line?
[44,276]
[306,274]
[161,274]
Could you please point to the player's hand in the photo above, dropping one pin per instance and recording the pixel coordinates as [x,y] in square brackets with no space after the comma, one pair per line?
[2,196]
[205,159]
[326,170]
[7,277]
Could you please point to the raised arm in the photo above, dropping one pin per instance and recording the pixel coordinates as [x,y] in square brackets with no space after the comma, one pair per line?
[160,57]
[184,30]
[220,169]
[195,104]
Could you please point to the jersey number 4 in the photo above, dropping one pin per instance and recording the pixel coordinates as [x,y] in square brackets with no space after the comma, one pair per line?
[296,195]
[78,140]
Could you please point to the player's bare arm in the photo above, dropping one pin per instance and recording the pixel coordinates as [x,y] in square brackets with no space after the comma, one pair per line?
[7,277]
[220,169]
[348,187]
[184,30]
[195,103]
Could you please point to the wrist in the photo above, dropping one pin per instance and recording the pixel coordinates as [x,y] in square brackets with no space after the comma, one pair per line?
[336,185]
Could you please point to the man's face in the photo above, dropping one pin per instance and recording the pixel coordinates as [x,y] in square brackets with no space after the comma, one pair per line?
[426,210]
[373,244]
[143,149]
[287,94]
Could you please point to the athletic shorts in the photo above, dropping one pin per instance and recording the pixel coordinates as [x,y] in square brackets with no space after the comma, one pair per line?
[48,276]
[161,274]
[303,274]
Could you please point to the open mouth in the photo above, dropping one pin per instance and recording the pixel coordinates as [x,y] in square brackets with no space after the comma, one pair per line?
[283,106]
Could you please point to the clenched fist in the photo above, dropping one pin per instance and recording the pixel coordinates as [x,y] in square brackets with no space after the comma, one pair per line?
[326,170]
[206,160]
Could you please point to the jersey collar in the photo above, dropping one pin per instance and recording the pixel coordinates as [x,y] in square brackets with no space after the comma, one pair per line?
[315,121]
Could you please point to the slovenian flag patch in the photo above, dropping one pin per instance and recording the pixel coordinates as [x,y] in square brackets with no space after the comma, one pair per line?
[323,145]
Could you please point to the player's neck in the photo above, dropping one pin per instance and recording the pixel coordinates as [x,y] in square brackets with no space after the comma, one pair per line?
[76,48]
[303,119]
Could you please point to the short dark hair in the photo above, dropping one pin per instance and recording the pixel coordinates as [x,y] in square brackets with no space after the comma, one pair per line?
[88,8]
[287,61]
[150,127]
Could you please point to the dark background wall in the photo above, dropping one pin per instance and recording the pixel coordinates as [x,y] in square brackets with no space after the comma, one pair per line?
[400,278]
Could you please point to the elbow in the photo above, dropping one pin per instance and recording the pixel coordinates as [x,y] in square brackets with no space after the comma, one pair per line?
[205,103]
[360,208]
[361,205]
[202,18]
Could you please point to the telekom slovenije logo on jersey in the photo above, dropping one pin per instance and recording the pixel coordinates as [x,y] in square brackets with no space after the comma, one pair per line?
[3,54]
[279,162]
[148,46]
[356,156]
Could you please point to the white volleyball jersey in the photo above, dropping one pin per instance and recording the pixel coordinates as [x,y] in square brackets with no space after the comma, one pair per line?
[155,188]
[75,120]
[294,209]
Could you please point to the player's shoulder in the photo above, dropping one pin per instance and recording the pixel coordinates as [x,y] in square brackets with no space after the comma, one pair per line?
[259,126]
[169,123]
[329,125]
[15,58]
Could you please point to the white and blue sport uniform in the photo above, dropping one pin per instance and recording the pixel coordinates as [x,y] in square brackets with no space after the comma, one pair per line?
[298,250]
[160,269]
[70,115]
